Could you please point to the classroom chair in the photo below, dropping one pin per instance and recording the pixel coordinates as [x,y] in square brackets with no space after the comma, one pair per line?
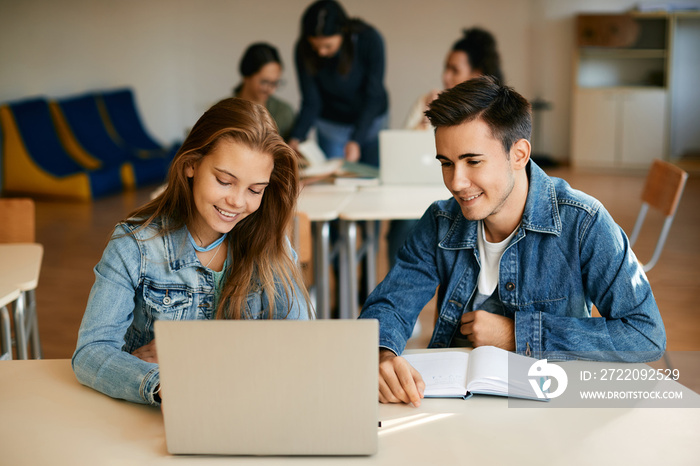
[300,236]
[662,191]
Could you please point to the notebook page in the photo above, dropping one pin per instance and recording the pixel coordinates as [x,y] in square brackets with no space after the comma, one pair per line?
[444,372]
[488,370]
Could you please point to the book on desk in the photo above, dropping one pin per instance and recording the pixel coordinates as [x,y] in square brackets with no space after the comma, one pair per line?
[317,167]
[462,373]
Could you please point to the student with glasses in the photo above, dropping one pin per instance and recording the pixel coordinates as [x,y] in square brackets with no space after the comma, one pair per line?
[261,69]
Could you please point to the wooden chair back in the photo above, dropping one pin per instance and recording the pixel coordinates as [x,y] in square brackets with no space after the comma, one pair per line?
[664,186]
[301,237]
[662,191]
[17,220]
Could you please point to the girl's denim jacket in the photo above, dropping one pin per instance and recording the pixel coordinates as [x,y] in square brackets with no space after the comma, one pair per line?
[567,255]
[143,277]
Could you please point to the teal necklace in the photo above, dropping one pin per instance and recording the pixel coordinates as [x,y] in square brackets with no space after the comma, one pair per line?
[207,248]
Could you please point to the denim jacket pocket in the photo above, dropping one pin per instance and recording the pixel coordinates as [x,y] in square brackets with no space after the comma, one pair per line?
[254,303]
[165,302]
[553,305]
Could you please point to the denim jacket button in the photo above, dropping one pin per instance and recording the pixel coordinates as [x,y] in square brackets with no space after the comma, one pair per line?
[510,286]
[166,300]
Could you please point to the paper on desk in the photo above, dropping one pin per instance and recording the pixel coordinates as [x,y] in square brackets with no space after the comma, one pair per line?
[444,373]
[326,168]
[312,152]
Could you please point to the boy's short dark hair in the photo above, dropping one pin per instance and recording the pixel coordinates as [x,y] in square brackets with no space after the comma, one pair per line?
[506,112]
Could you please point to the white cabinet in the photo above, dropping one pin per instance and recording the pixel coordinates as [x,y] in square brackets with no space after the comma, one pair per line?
[620,112]
[618,127]
[643,127]
[635,91]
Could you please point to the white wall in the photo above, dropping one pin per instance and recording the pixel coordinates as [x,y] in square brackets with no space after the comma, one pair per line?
[181,56]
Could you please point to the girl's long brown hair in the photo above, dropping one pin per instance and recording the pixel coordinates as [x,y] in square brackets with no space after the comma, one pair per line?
[258,249]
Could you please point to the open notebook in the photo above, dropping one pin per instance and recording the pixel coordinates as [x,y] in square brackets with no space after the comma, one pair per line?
[461,373]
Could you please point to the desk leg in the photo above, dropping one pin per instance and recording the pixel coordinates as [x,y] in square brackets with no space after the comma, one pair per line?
[348,270]
[33,325]
[6,334]
[371,247]
[20,329]
[342,270]
[322,269]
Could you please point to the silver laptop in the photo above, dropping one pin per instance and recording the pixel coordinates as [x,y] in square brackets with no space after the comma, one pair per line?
[407,157]
[269,387]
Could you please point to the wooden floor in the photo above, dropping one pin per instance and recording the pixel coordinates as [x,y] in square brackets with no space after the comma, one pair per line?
[74,235]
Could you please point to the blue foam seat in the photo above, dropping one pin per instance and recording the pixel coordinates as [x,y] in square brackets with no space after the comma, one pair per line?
[121,110]
[88,126]
[37,162]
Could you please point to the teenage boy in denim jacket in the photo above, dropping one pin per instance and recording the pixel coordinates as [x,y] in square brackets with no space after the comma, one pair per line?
[518,258]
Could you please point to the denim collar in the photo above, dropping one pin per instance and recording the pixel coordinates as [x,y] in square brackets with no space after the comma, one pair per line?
[180,253]
[540,214]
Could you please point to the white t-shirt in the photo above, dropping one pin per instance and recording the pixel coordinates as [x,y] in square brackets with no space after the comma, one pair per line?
[486,295]
[490,257]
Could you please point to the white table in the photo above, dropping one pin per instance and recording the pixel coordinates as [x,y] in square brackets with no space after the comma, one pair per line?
[384,202]
[49,418]
[8,294]
[20,264]
[323,203]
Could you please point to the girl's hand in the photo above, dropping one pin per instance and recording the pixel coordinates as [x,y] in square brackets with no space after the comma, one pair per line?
[147,352]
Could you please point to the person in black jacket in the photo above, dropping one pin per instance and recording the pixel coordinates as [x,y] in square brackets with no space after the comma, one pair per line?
[340,67]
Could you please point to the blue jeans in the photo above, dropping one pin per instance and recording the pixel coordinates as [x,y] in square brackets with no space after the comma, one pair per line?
[333,136]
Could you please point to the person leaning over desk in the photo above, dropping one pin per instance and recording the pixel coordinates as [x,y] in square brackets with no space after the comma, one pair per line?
[212,245]
[518,257]
[340,67]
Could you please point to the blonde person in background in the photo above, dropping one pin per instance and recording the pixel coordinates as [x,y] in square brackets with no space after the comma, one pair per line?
[474,55]
[261,69]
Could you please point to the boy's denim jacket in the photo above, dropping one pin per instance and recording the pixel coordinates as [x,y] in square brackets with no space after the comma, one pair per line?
[143,277]
[568,254]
